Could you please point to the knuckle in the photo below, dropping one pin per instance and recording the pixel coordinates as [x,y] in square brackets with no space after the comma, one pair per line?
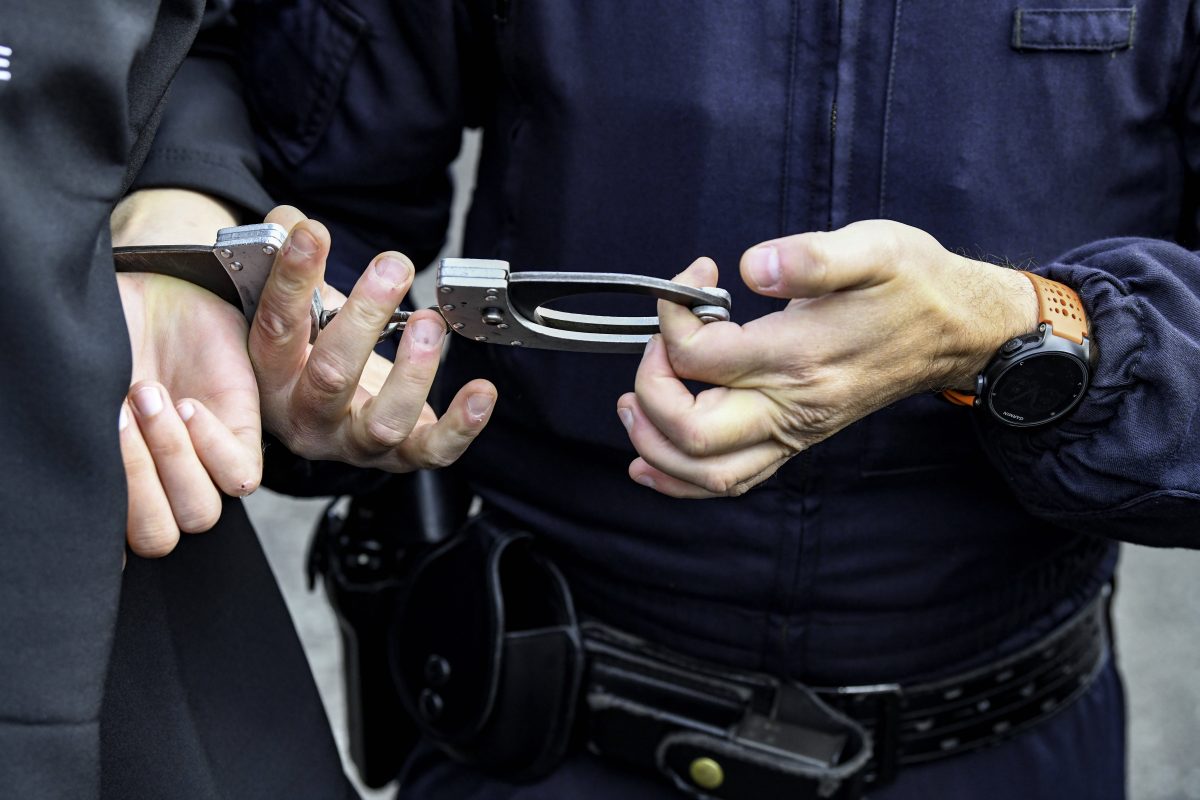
[438,459]
[200,517]
[167,448]
[303,440]
[818,271]
[812,268]
[682,355]
[694,440]
[720,482]
[153,539]
[327,376]
[306,433]
[740,488]
[138,465]
[817,245]
[272,326]
[792,443]
[890,243]
[288,284]
[384,434]
[363,315]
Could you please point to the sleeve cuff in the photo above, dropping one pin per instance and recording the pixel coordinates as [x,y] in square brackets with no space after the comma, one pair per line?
[1126,462]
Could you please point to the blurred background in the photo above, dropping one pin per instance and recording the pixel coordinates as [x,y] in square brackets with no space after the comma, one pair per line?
[1157,615]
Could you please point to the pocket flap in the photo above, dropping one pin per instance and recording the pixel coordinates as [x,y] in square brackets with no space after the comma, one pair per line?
[1088,29]
[299,68]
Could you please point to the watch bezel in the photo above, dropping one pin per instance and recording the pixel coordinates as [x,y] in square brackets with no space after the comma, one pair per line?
[1042,344]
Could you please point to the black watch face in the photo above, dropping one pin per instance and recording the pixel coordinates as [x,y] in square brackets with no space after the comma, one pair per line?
[1037,389]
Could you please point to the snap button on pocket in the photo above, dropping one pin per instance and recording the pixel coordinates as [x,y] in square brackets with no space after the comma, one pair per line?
[1085,29]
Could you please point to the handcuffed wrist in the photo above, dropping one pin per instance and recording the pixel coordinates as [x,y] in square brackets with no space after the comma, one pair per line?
[169,216]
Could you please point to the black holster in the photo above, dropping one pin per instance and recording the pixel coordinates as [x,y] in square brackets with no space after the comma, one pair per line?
[497,671]
[487,654]
[363,549]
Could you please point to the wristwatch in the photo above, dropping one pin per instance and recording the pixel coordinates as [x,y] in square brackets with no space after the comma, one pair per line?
[1037,378]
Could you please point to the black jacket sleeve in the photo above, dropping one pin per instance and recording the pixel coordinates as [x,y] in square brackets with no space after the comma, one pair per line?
[1126,463]
[205,141]
[82,85]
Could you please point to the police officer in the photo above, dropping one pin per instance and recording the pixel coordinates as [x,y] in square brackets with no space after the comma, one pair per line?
[867,532]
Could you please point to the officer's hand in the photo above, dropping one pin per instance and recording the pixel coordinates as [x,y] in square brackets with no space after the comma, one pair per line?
[189,427]
[879,311]
[321,401]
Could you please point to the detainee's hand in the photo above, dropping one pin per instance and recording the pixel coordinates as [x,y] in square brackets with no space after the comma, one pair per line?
[319,400]
[879,311]
[189,428]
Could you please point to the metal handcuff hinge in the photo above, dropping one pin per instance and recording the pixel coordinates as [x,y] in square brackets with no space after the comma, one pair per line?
[480,299]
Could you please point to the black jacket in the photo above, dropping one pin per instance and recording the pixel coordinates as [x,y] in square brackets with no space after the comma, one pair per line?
[196,687]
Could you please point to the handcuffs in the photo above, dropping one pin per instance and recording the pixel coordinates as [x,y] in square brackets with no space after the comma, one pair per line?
[481,299]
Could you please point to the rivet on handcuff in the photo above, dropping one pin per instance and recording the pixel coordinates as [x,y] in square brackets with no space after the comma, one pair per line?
[480,299]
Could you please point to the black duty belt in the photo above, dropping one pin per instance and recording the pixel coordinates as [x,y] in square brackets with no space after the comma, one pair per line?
[492,663]
[728,734]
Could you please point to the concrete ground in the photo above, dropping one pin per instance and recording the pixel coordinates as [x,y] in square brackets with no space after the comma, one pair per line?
[1158,618]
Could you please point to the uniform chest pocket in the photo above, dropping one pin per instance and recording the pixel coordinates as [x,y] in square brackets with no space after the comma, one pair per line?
[1073,29]
[298,55]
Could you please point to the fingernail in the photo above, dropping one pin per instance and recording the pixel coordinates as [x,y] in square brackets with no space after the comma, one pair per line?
[186,410]
[123,419]
[626,418]
[394,271]
[427,334]
[148,401]
[645,480]
[302,242]
[478,405]
[764,266]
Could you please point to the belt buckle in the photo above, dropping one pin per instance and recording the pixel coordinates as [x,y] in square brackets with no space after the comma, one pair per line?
[885,736]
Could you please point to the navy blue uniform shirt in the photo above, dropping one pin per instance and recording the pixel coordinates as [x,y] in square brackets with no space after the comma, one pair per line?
[636,136]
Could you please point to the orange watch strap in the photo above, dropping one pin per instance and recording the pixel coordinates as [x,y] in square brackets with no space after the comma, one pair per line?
[1061,307]
[959,398]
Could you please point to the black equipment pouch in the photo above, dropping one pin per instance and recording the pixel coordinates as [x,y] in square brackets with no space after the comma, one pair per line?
[487,654]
